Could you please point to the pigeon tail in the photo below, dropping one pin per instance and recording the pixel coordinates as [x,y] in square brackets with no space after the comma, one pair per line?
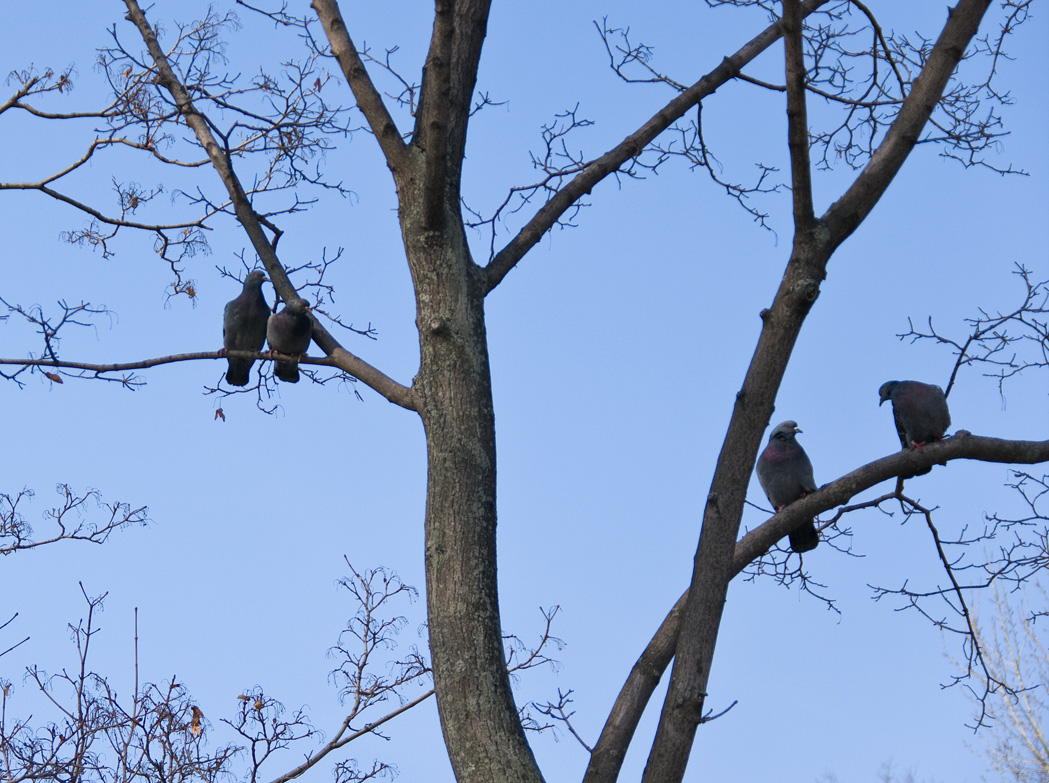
[287,371]
[804,538]
[239,372]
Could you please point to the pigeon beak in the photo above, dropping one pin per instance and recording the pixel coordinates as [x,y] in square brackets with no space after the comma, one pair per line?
[798,429]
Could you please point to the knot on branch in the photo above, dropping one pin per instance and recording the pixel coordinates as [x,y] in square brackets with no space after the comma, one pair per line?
[438,326]
[806,291]
[820,233]
[692,708]
[433,240]
[730,65]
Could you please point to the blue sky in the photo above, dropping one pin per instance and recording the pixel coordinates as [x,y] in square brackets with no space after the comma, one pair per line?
[617,349]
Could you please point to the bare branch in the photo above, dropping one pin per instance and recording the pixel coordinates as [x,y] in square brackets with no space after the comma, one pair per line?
[72,519]
[11,619]
[1014,648]
[368,99]
[632,146]
[843,217]
[369,632]
[559,711]
[1009,343]
[684,704]
[958,605]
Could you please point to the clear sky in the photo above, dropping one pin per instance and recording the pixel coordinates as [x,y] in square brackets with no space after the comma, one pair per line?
[617,349]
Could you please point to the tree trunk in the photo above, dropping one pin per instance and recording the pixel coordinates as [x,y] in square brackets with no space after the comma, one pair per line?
[481,728]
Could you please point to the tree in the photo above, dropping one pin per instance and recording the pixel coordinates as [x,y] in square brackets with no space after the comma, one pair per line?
[1015,745]
[262,139]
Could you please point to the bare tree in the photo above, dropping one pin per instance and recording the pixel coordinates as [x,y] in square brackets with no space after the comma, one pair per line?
[1015,744]
[253,147]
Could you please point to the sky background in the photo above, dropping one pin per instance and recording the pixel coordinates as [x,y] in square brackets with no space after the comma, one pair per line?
[617,348]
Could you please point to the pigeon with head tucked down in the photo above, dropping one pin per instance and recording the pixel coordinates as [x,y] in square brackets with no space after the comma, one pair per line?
[920,411]
[244,327]
[289,332]
[785,473]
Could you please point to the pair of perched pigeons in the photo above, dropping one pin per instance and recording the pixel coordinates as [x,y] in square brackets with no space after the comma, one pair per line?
[784,470]
[247,324]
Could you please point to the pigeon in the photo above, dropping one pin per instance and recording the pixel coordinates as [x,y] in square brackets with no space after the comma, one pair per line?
[920,411]
[289,333]
[785,473]
[244,327]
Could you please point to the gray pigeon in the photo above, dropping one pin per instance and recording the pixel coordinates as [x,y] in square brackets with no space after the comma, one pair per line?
[244,327]
[920,411]
[785,473]
[289,333]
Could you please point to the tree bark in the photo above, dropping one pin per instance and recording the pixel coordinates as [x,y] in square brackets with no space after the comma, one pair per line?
[482,729]
[479,719]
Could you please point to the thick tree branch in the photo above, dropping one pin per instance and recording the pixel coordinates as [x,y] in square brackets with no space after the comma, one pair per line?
[369,101]
[797,118]
[963,445]
[609,752]
[607,757]
[630,147]
[846,214]
[471,26]
[395,392]
[482,726]
[436,108]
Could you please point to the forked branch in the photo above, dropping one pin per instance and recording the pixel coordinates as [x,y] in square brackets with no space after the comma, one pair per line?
[631,146]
